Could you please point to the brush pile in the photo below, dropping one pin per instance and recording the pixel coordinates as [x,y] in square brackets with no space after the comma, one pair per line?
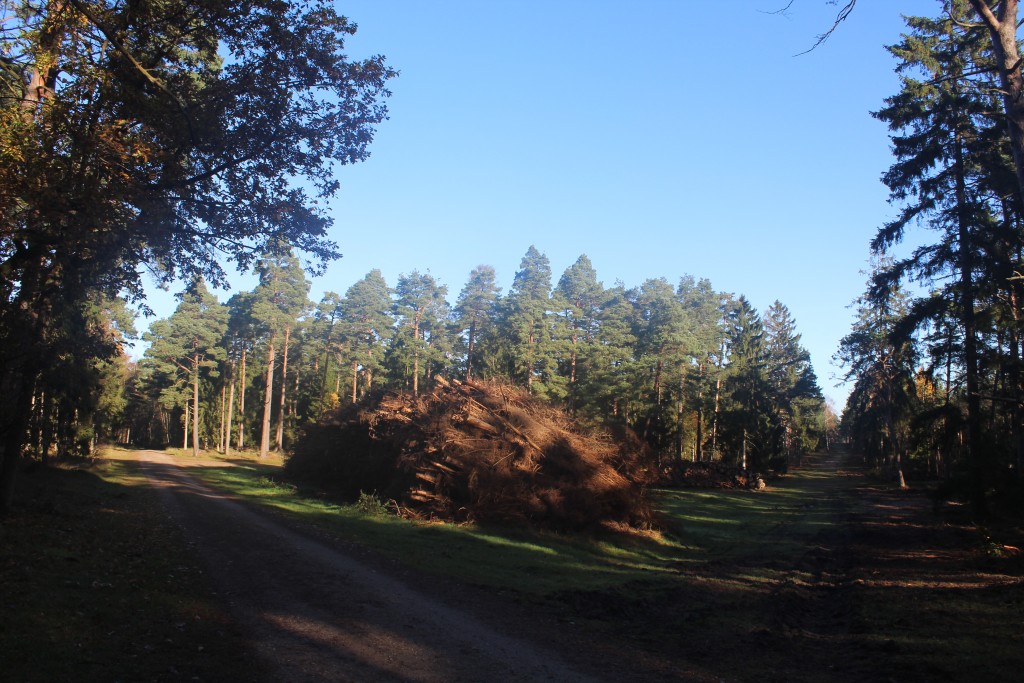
[476,452]
[708,475]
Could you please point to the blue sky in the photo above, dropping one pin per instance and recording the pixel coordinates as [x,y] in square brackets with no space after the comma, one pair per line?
[659,137]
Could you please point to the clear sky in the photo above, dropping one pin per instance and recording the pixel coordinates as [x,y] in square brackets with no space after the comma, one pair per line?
[658,137]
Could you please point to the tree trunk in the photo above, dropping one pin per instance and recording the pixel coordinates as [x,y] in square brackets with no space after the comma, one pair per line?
[268,400]
[680,416]
[293,410]
[965,258]
[700,413]
[469,354]
[529,364]
[415,362]
[231,411]
[42,84]
[355,380]
[47,436]
[284,389]
[14,434]
[195,407]
[572,374]
[718,396]
[221,436]
[184,443]
[241,404]
[1003,33]
[327,366]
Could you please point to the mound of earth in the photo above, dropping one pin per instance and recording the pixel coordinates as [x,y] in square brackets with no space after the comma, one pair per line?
[476,452]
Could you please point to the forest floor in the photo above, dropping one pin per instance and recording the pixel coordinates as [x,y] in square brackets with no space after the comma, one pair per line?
[827,576]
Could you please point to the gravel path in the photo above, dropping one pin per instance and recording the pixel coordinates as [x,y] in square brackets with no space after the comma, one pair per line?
[316,613]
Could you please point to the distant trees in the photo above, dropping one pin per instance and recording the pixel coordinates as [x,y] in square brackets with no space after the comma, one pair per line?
[881,361]
[190,342]
[697,374]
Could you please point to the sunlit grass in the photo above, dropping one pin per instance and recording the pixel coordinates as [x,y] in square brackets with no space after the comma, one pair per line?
[528,562]
[702,525]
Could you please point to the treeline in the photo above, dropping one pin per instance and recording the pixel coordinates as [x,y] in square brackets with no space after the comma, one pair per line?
[697,374]
[935,353]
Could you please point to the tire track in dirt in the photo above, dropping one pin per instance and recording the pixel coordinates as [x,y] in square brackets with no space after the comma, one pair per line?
[318,614]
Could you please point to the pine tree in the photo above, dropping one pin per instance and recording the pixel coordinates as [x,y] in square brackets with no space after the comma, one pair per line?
[704,308]
[881,362]
[476,310]
[525,321]
[327,343]
[794,388]
[748,418]
[278,301]
[664,339]
[191,342]
[577,300]
[367,326]
[944,151]
[421,312]
[605,389]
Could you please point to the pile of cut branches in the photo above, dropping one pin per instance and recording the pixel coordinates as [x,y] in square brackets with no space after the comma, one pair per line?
[476,452]
[708,475]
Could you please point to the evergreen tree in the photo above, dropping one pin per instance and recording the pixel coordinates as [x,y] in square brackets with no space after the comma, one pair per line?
[191,342]
[663,341]
[704,309]
[278,301]
[605,389]
[944,153]
[525,321]
[421,312]
[881,362]
[476,310]
[368,325]
[243,334]
[793,385]
[327,345]
[577,300]
[747,428]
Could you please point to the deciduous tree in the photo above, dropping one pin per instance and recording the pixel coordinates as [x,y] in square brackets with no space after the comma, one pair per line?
[176,134]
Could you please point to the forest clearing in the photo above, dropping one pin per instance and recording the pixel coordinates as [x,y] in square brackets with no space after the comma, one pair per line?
[828,575]
[307,470]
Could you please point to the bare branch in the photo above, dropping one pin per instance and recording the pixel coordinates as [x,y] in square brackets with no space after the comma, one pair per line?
[781,11]
[840,18]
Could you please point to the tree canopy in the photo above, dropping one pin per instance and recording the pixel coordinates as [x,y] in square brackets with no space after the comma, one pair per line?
[173,136]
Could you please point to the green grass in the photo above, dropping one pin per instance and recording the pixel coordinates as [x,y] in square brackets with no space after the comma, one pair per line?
[531,563]
[703,526]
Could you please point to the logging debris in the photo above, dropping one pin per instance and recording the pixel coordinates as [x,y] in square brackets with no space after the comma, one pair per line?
[481,452]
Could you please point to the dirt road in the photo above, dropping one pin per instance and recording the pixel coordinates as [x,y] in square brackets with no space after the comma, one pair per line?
[318,614]
[836,578]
